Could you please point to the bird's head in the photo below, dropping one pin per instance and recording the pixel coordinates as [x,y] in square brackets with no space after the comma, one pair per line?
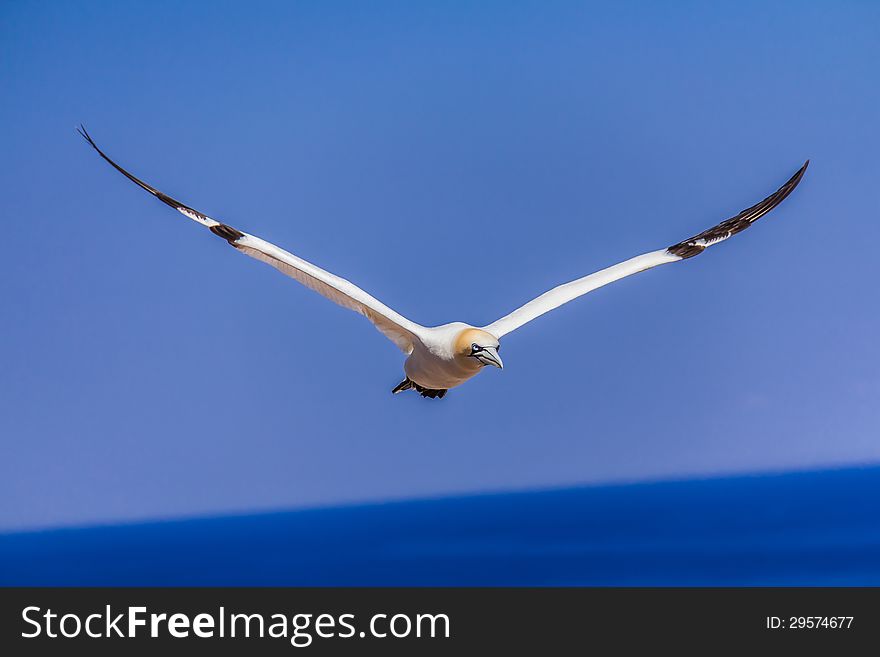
[478,347]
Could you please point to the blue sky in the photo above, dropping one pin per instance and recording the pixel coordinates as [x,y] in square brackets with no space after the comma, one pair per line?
[149,371]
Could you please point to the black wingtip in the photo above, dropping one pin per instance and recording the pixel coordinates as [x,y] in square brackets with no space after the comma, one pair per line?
[177,205]
[228,233]
[793,182]
[85,135]
[698,243]
[81,129]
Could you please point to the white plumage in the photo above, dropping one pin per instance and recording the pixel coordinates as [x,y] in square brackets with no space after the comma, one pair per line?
[442,357]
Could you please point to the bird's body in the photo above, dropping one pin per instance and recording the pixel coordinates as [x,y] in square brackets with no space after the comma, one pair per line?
[443,357]
[439,359]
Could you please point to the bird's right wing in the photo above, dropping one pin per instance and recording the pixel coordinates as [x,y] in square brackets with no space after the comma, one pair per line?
[688,248]
[396,327]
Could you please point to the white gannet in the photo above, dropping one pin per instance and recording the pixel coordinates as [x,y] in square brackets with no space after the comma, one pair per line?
[442,357]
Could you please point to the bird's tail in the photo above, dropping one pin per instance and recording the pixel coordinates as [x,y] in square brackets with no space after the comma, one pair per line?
[406,384]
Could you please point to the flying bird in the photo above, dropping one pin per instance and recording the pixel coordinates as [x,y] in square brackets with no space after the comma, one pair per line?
[443,357]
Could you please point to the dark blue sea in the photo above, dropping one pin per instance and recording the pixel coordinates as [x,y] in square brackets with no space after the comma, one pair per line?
[810,528]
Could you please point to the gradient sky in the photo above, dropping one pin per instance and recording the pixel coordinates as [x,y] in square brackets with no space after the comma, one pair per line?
[150,371]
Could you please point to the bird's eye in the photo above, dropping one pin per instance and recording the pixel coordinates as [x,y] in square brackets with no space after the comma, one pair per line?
[476,348]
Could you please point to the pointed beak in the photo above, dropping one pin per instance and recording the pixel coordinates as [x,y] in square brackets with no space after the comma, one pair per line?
[489,356]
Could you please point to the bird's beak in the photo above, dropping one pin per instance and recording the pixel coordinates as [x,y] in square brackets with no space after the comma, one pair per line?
[489,356]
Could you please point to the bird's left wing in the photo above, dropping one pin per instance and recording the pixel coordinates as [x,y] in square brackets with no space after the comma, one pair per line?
[686,249]
[396,327]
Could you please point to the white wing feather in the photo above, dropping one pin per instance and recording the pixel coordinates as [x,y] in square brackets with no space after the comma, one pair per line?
[393,325]
[562,294]
[396,327]
[688,248]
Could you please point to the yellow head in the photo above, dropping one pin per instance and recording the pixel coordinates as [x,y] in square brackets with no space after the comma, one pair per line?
[479,345]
